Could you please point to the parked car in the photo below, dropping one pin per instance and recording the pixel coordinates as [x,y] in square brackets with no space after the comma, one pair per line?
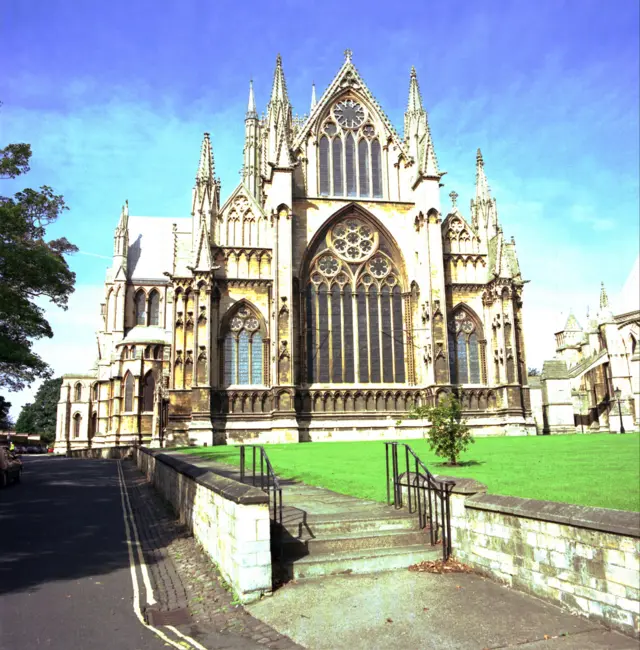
[10,468]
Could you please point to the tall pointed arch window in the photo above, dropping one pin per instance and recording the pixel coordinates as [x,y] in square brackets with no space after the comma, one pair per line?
[154,308]
[148,391]
[78,392]
[77,425]
[243,349]
[349,153]
[129,384]
[140,305]
[465,338]
[354,309]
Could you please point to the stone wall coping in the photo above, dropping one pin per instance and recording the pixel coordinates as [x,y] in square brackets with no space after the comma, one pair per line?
[463,485]
[618,522]
[228,488]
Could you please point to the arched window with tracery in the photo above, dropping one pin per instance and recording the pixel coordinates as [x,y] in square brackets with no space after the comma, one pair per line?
[148,391]
[78,392]
[154,308]
[353,305]
[77,425]
[465,339]
[140,304]
[344,167]
[243,349]
[129,385]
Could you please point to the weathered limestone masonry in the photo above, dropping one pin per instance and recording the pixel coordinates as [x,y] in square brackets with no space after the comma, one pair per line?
[585,559]
[229,519]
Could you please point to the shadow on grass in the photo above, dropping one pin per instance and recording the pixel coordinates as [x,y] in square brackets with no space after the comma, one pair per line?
[463,463]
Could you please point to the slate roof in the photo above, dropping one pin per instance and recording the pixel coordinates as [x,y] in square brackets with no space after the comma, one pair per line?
[555,369]
[151,246]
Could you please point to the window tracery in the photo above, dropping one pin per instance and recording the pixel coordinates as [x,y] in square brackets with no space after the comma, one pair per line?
[140,301]
[354,310]
[128,392]
[464,349]
[243,349]
[154,308]
[349,153]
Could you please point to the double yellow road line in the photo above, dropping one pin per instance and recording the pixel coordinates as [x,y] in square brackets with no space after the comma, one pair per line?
[177,639]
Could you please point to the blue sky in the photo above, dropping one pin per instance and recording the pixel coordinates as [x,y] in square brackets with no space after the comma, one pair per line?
[114,98]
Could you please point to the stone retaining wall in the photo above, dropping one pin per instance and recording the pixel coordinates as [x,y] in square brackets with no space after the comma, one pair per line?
[101,452]
[585,559]
[229,519]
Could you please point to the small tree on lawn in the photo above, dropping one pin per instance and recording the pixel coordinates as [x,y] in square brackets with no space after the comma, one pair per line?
[449,435]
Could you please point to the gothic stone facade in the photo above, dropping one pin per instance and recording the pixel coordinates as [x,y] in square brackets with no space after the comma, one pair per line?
[323,300]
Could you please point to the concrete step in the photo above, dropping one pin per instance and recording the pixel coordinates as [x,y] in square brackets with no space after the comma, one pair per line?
[353,522]
[360,561]
[296,548]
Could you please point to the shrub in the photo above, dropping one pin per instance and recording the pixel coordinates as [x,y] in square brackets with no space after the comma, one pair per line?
[449,434]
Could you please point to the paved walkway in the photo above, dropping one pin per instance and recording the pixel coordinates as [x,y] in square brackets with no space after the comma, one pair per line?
[402,609]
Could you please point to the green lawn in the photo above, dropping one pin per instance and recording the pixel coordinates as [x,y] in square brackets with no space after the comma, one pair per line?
[596,470]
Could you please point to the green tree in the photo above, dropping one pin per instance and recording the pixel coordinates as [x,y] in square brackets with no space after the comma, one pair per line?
[449,435]
[30,268]
[40,416]
[6,423]
[533,372]
[26,422]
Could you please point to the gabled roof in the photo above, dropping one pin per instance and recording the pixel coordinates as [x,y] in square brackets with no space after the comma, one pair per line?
[242,189]
[348,77]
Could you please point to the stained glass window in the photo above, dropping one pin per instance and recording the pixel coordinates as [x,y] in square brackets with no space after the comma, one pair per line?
[324,166]
[336,158]
[140,307]
[464,349]
[349,340]
[349,160]
[363,170]
[154,308]
[147,392]
[376,170]
[243,349]
[128,392]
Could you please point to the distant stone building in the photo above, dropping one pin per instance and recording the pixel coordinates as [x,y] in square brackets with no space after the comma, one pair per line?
[578,387]
[326,297]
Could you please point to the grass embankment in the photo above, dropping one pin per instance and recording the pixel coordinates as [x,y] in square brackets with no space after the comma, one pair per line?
[601,470]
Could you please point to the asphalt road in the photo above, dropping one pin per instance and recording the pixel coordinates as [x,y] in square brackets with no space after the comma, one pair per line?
[65,577]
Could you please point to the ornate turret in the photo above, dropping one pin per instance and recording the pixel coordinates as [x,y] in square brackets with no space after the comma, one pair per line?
[484,213]
[605,314]
[314,101]
[206,192]
[278,122]
[121,244]
[417,134]
[251,166]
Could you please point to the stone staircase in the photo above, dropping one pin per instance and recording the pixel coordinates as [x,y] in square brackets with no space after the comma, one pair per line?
[325,533]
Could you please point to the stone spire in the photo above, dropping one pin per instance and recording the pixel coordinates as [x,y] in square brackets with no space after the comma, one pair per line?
[278,122]
[604,298]
[484,213]
[206,166]
[206,192]
[314,101]
[251,152]
[417,134]
[251,107]
[121,243]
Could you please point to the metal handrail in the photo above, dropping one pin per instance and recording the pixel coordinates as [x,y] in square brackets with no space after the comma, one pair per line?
[434,492]
[269,483]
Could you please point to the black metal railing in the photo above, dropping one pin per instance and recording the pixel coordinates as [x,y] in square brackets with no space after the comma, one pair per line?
[426,495]
[264,477]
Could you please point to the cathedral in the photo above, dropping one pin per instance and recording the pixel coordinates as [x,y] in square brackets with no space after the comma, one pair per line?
[326,297]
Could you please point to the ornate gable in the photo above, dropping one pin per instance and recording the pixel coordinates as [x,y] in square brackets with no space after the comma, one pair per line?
[347,82]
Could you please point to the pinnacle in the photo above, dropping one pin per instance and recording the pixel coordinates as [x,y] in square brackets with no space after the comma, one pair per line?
[279,90]
[415,98]
[206,166]
[479,159]
[251,106]
[313,96]
[604,298]
[482,187]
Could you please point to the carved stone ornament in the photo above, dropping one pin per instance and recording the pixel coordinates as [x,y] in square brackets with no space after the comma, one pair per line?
[189,359]
[425,312]
[284,310]
[427,355]
[284,350]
